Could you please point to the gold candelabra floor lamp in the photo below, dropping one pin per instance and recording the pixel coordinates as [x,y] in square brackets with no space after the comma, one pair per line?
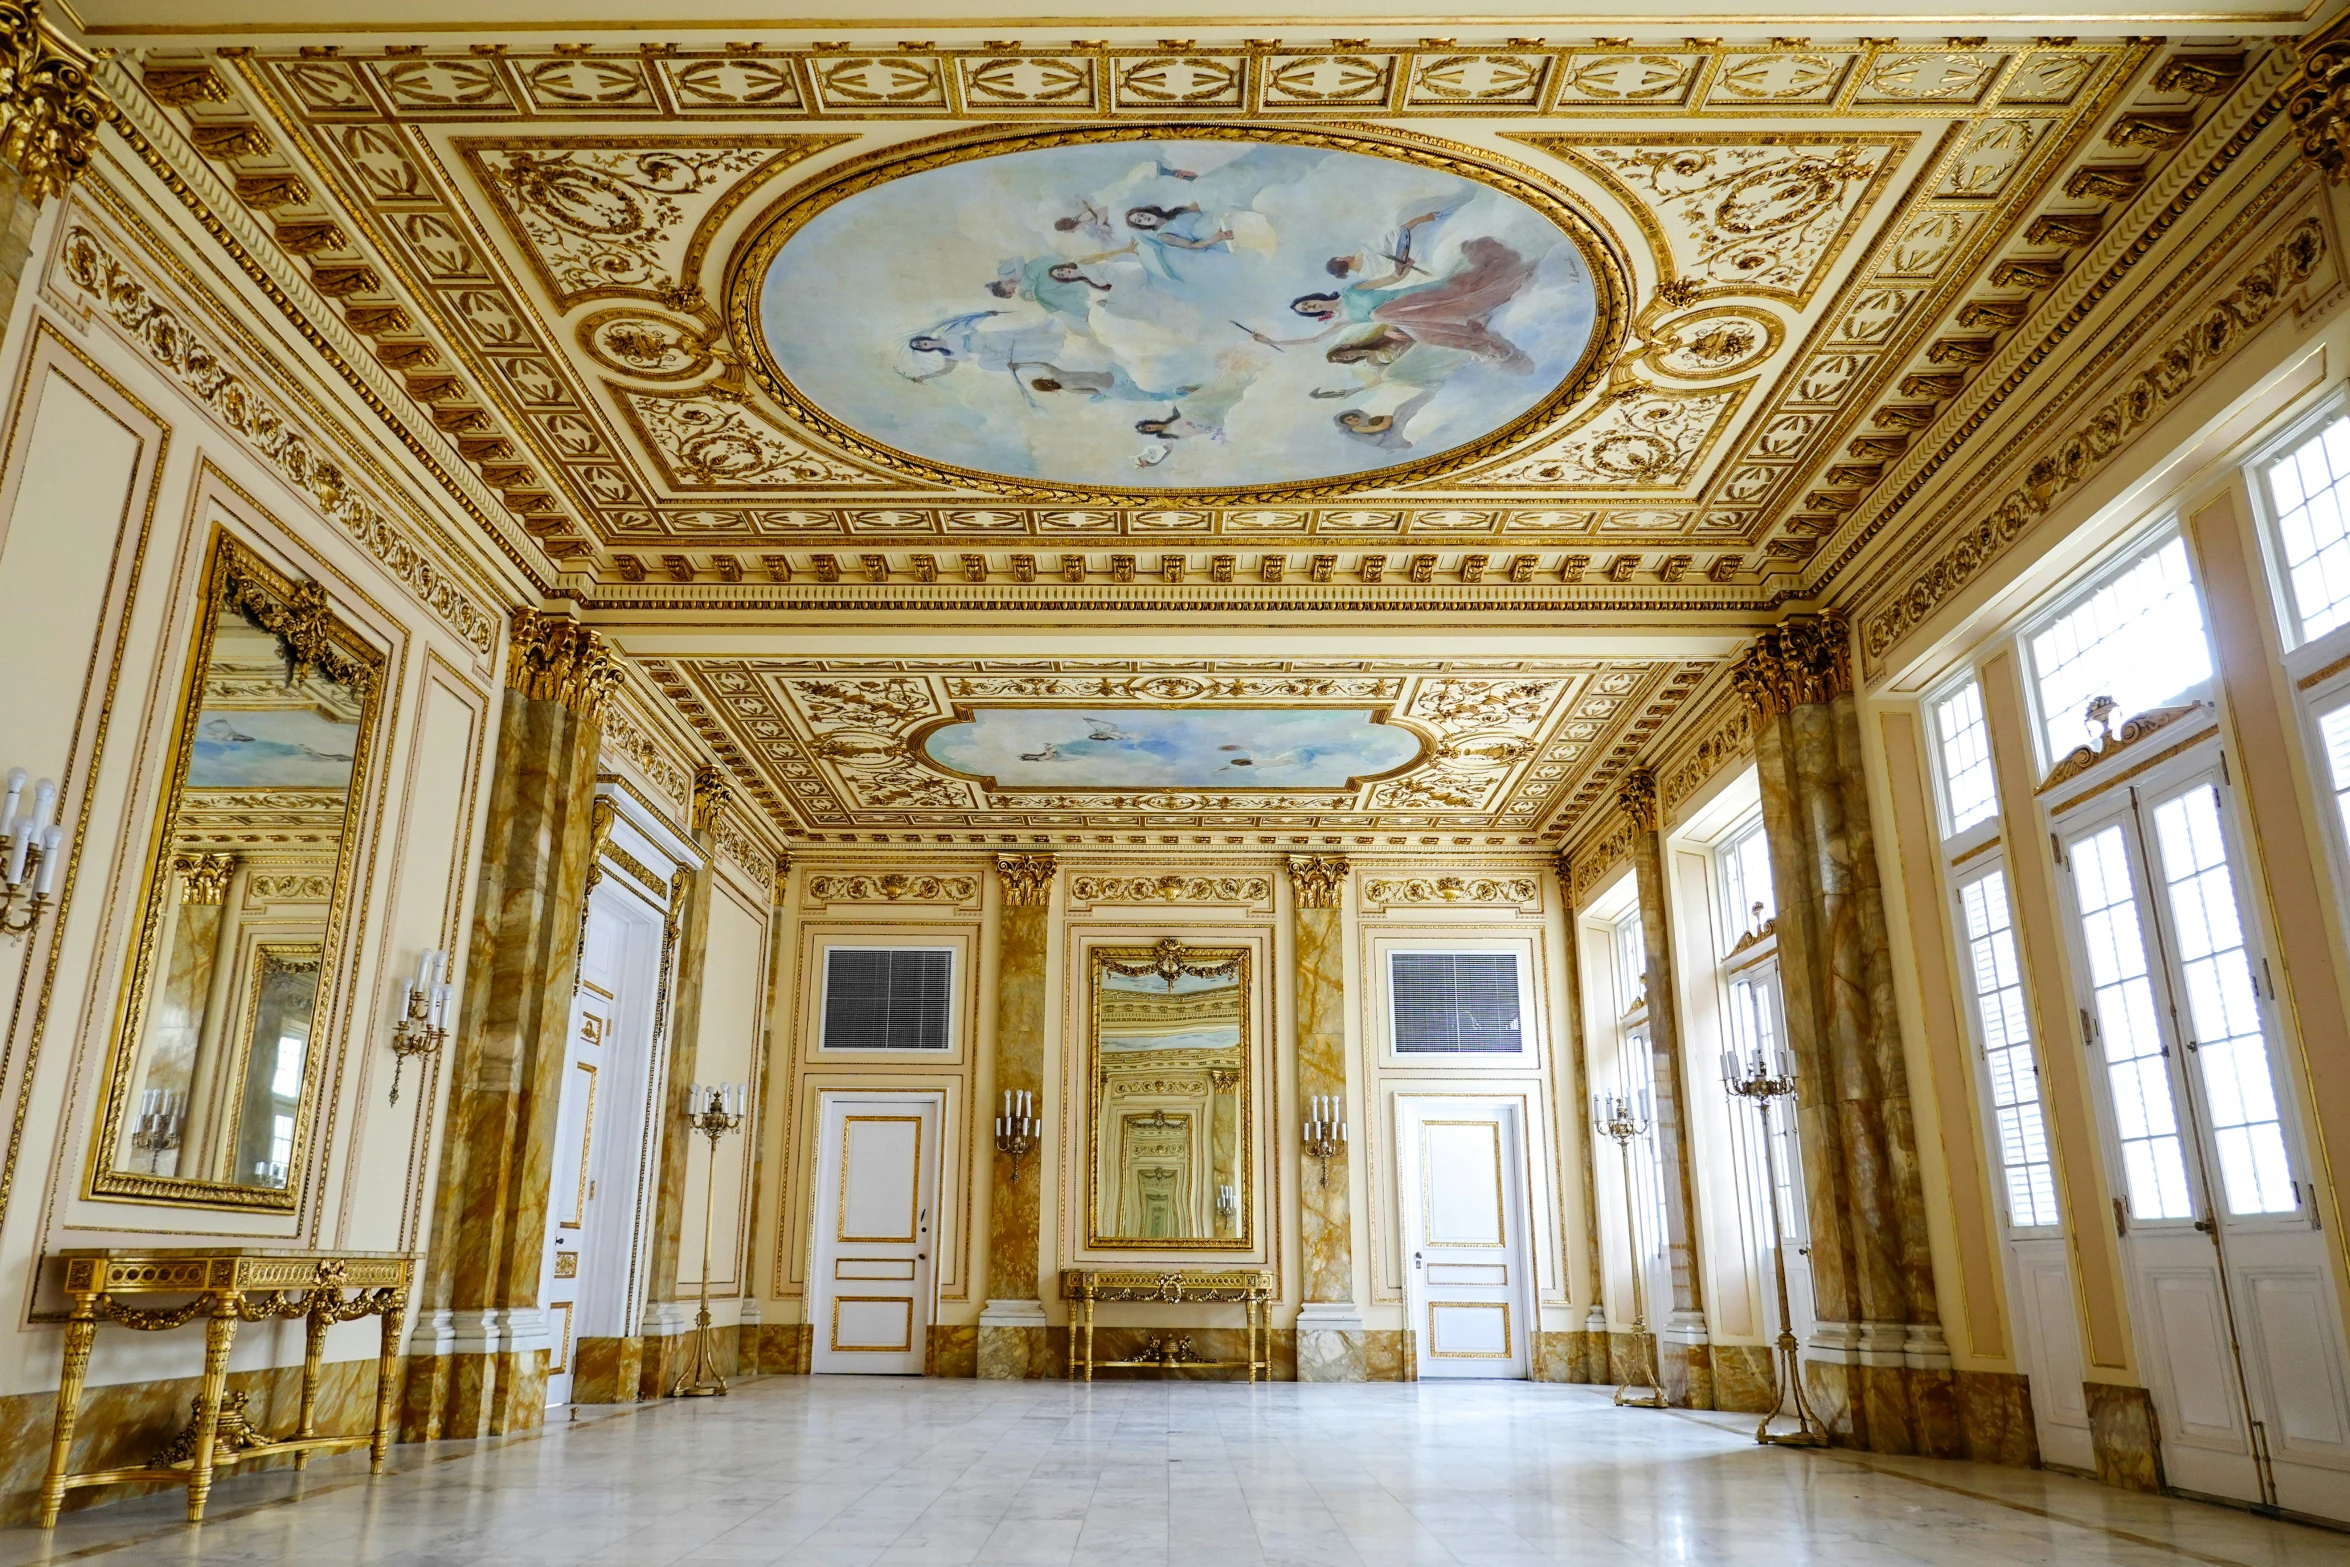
[720,1112]
[1758,1082]
[1623,1119]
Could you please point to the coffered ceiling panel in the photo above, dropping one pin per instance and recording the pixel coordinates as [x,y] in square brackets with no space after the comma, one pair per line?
[1533,314]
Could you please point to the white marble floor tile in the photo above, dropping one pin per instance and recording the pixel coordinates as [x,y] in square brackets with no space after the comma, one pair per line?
[825,1472]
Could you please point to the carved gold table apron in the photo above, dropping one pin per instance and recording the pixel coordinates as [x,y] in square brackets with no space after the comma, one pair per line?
[1249,1288]
[230,1285]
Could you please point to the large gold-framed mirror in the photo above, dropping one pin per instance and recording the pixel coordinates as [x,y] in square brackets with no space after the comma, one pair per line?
[214,1076]
[1170,1158]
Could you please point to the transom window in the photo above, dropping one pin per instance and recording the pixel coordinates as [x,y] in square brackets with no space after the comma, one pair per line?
[2306,488]
[1455,1003]
[2020,1130]
[1750,900]
[1963,744]
[2138,638]
[887,998]
[1631,949]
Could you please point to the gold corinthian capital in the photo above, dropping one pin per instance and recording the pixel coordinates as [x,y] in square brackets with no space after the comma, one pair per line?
[50,110]
[1806,661]
[553,658]
[1318,880]
[1027,879]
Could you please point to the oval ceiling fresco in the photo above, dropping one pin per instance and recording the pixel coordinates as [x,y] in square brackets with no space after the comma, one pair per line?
[1178,315]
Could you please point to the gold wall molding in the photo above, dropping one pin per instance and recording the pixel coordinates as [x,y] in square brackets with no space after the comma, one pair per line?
[1318,881]
[205,375]
[737,844]
[894,887]
[2177,365]
[50,109]
[1027,879]
[553,658]
[1729,739]
[1446,890]
[629,735]
[1169,887]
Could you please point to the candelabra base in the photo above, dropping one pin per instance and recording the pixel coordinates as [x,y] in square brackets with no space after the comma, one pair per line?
[701,1379]
[1648,1394]
[1809,1431]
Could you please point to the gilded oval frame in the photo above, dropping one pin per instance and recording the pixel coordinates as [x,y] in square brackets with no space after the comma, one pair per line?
[746,275]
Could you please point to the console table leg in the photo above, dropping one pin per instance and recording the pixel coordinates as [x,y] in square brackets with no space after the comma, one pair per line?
[313,1363]
[387,1366]
[220,1331]
[80,1329]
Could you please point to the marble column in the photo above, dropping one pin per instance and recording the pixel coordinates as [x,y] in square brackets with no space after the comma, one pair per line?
[1877,1364]
[1330,1341]
[1014,1340]
[669,1312]
[478,1359]
[1684,1347]
[1588,1358]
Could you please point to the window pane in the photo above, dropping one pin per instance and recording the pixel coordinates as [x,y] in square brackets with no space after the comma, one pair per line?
[2006,1044]
[1631,961]
[2223,1009]
[2139,639]
[1746,882]
[2334,729]
[2153,1160]
[2306,486]
[1454,1002]
[1964,741]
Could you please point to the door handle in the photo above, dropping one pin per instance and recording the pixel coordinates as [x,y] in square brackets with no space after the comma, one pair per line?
[1415,1259]
[2206,1227]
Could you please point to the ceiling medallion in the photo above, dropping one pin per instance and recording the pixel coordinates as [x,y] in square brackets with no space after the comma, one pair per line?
[1205,312]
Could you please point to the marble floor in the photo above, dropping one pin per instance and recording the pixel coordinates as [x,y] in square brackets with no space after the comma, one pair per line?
[828,1472]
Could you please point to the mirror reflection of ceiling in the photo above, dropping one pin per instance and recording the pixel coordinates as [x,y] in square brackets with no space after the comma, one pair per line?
[1815,268]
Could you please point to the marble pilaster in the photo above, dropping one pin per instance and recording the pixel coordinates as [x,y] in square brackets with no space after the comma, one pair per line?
[506,1059]
[2122,1436]
[1877,1360]
[1582,1363]
[1682,1367]
[1329,1333]
[1013,1328]
[690,918]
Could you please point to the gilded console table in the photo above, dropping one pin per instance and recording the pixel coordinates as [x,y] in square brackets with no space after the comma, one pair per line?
[230,1284]
[1249,1288]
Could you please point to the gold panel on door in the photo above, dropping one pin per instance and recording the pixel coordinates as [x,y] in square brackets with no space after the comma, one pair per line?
[905,1331]
[587,1140]
[848,1134]
[1436,1338]
[1429,1164]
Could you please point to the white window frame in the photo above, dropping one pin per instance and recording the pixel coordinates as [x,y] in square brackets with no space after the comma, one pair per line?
[1958,878]
[2116,563]
[1521,957]
[1962,839]
[949,1051]
[2302,652]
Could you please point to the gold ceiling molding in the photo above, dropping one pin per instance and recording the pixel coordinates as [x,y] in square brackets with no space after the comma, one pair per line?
[2320,103]
[726,443]
[1727,739]
[2174,366]
[747,269]
[1027,879]
[753,858]
[137,310]
[1597,858]
[627,735]
[1318,881]
[1522,892]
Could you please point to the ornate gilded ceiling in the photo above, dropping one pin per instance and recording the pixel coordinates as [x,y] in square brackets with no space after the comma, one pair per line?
[1805,254]
[1507,751]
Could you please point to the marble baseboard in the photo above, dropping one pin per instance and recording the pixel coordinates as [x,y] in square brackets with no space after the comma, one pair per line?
[1331,1355]
[607,1370]
[1995,1414]
[126,1422]
[1390,1355]
[2122,1436]
[1629,1358]
[1014,1354]
[1688,1371]
[1556,1357]
[954,1350]
[784,1348]
[451,1397]
[1746,1378]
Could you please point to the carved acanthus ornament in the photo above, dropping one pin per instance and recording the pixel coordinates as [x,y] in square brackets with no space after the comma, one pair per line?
[1450,889]
[1171,960]
[2320,105]
[1637,799]
[893,887]
[204,878]
[1804,662]
[1169,889]
[554,658]
[49,109]
[1318,880]
[1027,879]
[2134,729]
[713,795]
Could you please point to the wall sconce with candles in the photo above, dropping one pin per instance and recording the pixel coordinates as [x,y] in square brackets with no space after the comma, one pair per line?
[30,852]
[1018,1128]
[1325,1130]
[423,1026]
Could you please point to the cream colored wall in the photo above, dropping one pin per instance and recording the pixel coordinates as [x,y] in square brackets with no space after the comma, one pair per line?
[117,475]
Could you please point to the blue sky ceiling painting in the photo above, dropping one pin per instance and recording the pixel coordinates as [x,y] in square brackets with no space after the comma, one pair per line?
[1171,748]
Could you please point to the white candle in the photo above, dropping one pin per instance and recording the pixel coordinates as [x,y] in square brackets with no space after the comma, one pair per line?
[44,801]
[52,841]
[16,782]
[20,839]
[407,995]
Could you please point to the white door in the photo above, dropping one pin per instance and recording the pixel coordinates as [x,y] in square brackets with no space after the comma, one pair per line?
[2236,1317]
[878,1153]
[571,1191]
[1468,1286]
